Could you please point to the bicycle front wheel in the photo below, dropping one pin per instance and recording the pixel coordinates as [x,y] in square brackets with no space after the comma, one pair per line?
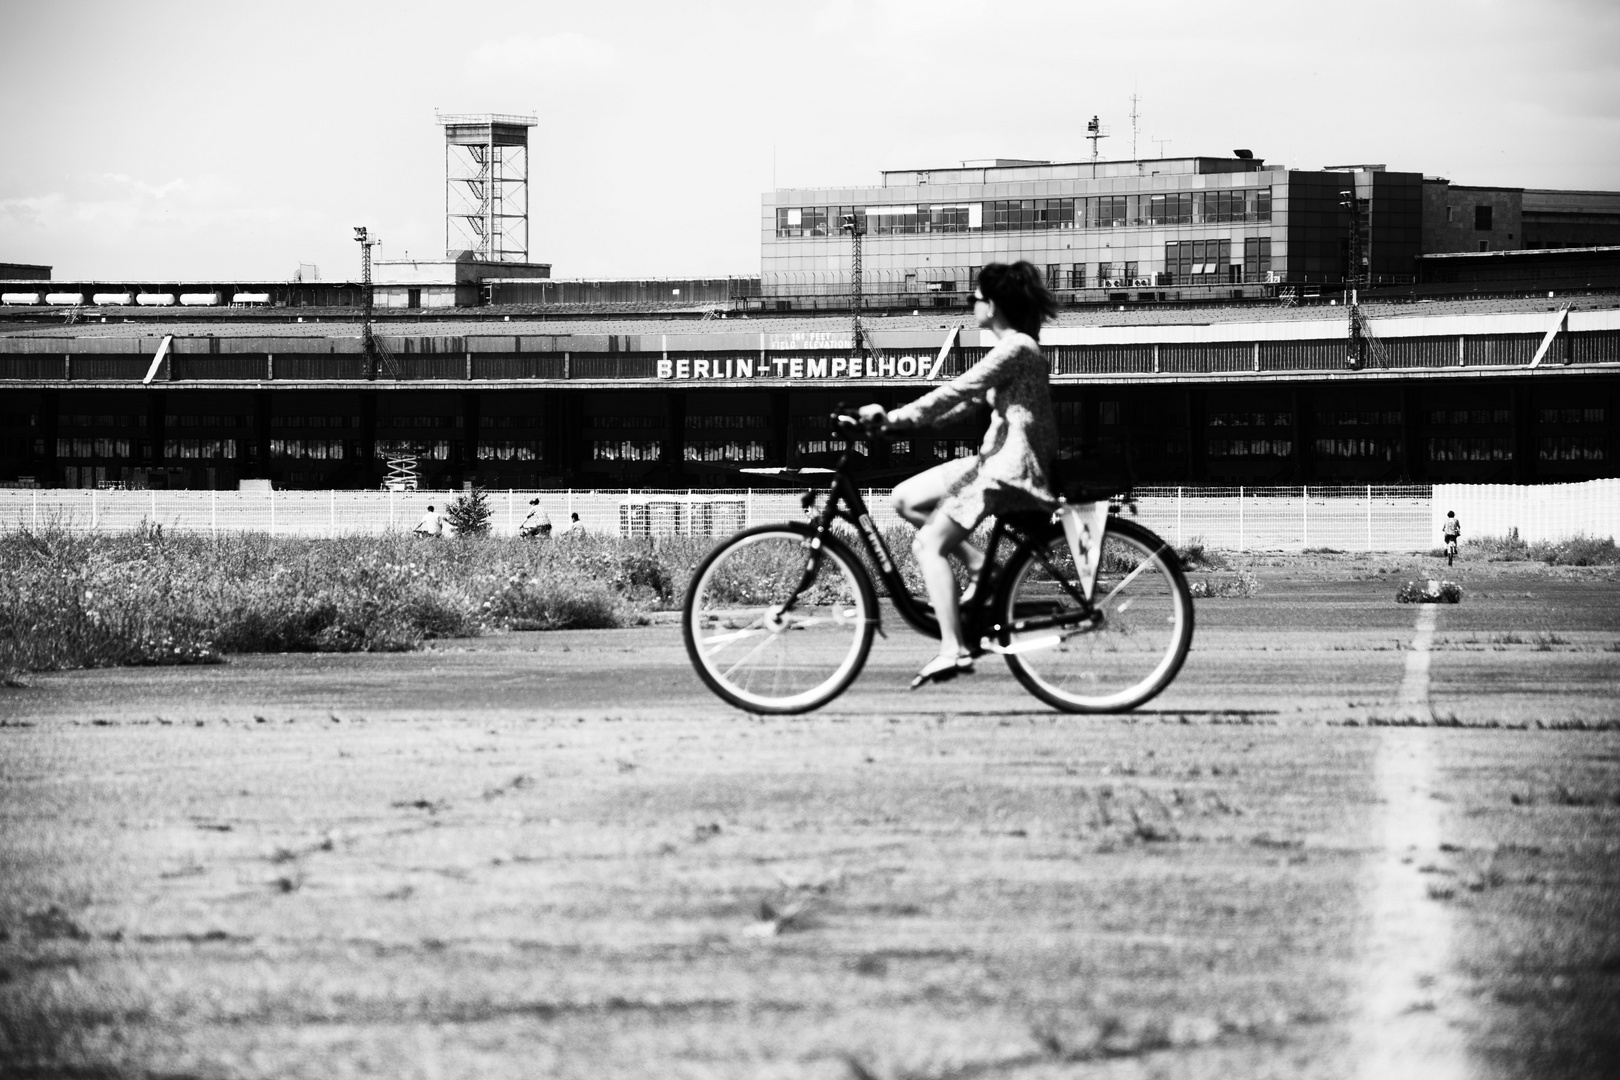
[762,642]
[1131,645]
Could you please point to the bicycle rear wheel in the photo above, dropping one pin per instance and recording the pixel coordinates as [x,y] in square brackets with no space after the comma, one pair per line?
[757,652]
[1127,651]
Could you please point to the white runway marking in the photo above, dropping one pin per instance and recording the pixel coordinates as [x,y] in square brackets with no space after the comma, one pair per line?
[1403,1029]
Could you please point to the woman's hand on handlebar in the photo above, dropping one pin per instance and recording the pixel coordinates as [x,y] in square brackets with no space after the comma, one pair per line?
[874,418]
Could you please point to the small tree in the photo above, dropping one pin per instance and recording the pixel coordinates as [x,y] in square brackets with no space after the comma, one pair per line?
[468,514]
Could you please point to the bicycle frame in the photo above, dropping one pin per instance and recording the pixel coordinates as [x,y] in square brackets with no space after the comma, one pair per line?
[844,502]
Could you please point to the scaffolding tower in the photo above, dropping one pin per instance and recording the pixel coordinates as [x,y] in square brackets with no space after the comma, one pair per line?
[486,185]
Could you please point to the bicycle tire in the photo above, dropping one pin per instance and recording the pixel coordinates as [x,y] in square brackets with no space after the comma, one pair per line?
[766,660]
[1125,658]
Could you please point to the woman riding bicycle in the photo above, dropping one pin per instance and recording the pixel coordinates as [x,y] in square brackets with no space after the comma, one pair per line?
[1009,472]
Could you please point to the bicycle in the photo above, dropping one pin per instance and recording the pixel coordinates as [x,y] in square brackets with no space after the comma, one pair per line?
[780,618]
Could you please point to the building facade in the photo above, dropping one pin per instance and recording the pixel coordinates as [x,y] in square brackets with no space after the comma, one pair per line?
[1522,397]
[1177,227]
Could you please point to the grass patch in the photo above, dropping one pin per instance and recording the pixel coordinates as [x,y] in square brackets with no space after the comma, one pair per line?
[74,599]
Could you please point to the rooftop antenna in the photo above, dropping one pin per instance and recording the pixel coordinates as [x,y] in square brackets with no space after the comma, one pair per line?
[1094,132]
[1162,144]
[1134,117]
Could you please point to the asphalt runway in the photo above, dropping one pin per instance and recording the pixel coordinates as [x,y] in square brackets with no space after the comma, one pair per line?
[1354,839]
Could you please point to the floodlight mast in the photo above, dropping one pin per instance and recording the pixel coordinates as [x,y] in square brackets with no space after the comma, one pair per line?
[855,225]
[370,347]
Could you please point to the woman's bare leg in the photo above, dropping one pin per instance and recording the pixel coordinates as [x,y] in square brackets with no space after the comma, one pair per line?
[939,535]
[915,499]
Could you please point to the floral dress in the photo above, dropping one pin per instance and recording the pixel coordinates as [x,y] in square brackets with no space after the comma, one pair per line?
[1010,470]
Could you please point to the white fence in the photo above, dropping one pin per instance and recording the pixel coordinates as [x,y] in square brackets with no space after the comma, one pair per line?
[1405,518]
[1550,512]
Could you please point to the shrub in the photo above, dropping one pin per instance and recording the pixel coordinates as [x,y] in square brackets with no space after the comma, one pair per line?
[1431,592]
[468,514]
[1507,548]
[1195,556]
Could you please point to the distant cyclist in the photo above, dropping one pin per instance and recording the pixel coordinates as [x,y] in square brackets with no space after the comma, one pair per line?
[1449,534]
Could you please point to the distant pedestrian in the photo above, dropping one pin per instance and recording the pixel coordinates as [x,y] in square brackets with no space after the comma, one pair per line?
[573,525]
[432,524]
[538,523]
[1450,532]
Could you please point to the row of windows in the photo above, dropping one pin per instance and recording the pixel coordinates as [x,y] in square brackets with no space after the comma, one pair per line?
[1571,416]
[300,421]
[624,421]
[725,451]
[433,451]
[825,446]
[92,448]
[533,423]
[1251,419]
[1021,215]
[97,420]
[313,449]
[509,450]
[1470,416]
[201,449]
[1360,449]
[1470,449]
[710,421]
[1358,418]
[626,449]
[1271,448]
[1572,448]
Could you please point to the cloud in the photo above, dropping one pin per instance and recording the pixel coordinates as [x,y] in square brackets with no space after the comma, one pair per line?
[540,57]
[114,207]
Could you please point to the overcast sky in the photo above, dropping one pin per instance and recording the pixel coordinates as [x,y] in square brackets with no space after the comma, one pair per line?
[157,139]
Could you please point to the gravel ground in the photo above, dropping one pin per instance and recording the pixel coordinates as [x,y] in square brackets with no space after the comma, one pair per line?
[555,854]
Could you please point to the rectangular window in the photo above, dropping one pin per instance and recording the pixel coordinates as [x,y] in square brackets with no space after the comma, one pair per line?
[1077,276]
[1105,273]
[1482,219]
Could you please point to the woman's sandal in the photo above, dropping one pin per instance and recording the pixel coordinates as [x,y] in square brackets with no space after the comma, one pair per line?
[941,668]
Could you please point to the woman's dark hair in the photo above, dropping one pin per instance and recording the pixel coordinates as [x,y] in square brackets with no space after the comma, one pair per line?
[1019,295]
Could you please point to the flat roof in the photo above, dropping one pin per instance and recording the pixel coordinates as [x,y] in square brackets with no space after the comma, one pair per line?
[1520,251]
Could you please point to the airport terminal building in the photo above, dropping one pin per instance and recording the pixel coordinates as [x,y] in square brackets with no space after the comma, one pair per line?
[1194,228]
[1522,395]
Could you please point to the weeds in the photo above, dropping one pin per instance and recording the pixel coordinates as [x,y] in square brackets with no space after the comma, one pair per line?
[1239,586]
[73,599]
[1580,550]
[1195,556]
